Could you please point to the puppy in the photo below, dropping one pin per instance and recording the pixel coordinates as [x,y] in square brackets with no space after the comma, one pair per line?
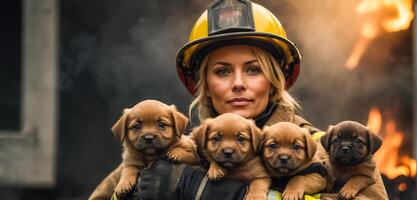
[148,131]
[350,146]
[230,144]
[289,154]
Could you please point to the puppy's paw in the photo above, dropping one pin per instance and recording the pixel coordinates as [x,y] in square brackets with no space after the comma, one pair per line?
[293,194]
[175,155]
[329,196]
[215,172]
[125,186]
[347,194]
[256,196]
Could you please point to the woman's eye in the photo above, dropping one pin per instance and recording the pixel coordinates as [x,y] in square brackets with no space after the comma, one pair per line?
[273,145]
[254,70]
[161,125]
[222,72]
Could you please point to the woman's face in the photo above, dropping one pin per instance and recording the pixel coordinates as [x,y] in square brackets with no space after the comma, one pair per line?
[236,82]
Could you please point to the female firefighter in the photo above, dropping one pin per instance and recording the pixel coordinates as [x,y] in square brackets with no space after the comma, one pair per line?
[238,59]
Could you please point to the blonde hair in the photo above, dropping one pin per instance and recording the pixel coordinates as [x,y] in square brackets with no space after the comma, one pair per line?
[287,105]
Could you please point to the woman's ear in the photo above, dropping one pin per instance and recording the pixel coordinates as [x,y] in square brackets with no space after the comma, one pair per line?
[119,128]
[180,121]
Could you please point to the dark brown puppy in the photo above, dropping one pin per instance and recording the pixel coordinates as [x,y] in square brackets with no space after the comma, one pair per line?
[351,146]
[148,131]
[289,152]
[230,143]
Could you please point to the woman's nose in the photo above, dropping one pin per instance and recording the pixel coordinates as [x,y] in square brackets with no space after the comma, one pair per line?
[238,83]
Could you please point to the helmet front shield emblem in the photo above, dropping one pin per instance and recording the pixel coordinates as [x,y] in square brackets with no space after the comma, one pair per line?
[225,16]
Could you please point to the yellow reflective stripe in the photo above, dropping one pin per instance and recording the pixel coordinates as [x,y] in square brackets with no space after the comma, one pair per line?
[317,135]
[312,197]
[275,195]
[114,196]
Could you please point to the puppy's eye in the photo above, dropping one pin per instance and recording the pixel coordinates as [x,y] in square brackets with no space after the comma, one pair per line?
[358,141]
[217,138]
[161,125]
[273,145]
[296,146]
[240,138]
[137,126]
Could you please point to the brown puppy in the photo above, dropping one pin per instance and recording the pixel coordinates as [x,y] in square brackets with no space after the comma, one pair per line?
[350,146]
[230,143]
[289,154]
[148,131]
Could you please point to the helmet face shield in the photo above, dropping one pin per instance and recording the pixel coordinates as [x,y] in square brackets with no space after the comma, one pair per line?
[225,16]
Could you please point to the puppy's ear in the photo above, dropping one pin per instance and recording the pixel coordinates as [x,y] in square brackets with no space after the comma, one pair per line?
[311,145]
[325,139]
[374,141]
[180,121]
[200,134]
[257,136]
[119,128]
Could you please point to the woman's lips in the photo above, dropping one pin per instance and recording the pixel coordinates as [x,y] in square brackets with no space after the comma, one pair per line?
[239,102]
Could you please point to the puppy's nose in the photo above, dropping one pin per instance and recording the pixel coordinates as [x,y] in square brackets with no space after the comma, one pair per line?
[345,149]
[149,138]
[228,152]
[284,158]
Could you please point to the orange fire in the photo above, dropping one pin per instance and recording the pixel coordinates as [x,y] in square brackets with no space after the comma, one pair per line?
[378,16]
[388,159]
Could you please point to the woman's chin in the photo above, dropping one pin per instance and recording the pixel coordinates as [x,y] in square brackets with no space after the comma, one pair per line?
[244,113]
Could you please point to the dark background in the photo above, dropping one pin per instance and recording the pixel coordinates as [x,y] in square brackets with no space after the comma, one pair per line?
[116,53]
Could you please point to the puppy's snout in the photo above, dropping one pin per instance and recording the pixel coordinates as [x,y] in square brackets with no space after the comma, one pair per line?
[228,152]
[284,158]
[346,149]
[149,138]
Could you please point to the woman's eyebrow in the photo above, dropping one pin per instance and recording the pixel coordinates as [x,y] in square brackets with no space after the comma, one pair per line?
[221,63]
[251,61]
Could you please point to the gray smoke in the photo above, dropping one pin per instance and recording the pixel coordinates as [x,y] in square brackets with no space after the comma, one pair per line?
[136,59]
[325,32]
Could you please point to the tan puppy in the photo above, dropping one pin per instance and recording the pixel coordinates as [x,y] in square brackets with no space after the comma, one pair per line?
[148,131]
[289,154]
[350,146]
[230,143]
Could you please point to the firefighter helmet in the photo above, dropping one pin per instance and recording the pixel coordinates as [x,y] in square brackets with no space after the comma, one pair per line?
[227,22]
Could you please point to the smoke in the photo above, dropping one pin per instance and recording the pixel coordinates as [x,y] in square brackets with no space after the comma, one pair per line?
[131,53]
[325,32]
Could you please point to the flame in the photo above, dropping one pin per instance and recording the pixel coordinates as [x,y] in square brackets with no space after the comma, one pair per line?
[388,159]
[379,15]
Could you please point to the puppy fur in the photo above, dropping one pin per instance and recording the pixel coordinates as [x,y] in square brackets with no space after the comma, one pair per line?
[350,146]
[231,143]
[148,131]
[287,150]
